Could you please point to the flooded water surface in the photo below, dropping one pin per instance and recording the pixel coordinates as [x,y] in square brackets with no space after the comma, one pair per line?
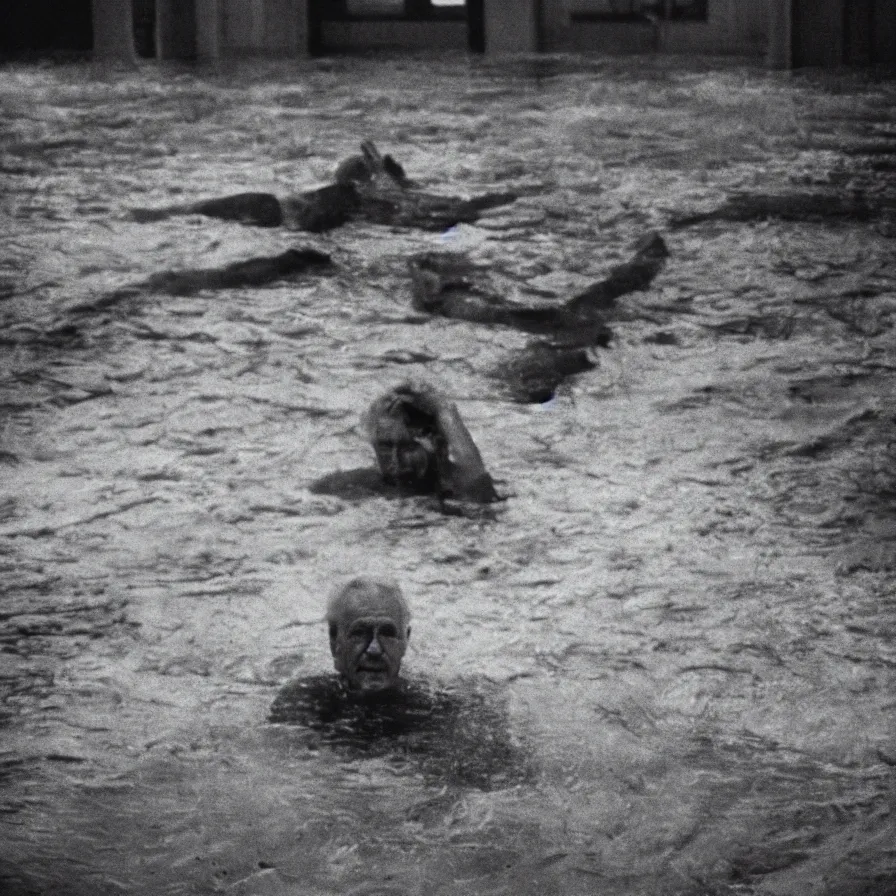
[662,663]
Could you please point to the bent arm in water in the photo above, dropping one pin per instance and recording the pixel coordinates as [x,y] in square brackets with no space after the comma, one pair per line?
[466,479]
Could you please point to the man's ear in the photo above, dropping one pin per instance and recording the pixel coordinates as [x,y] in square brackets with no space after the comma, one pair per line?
[334,634]
[407,636]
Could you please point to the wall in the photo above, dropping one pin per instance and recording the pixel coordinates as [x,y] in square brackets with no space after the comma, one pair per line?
[175,29]
[337,36]
[251,27]
[883,42]
[208,29]
[269,27]
[817,30]
[511,26]
[44,25]
[732,26]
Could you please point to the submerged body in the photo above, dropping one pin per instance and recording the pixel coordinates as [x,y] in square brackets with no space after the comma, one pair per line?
[366,708]
[448,284]
[369,187]
[457,736]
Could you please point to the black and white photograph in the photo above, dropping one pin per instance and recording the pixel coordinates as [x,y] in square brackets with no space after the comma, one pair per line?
[448,448]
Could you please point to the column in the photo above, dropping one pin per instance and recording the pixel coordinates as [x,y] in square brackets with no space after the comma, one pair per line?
[780,34]
[208,29]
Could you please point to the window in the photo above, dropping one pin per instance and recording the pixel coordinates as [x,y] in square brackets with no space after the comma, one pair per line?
[362,10]
[638,10]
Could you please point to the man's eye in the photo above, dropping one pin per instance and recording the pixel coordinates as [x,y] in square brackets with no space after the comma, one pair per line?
[388,631]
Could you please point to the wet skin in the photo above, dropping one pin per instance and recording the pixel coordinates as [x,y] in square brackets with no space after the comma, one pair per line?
[368,653]
[403,459]
[422,447]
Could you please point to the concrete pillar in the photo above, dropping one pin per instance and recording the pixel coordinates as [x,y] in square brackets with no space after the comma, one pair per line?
[554,25]
[511,26]
[208,29]
[286,27]
[780,34]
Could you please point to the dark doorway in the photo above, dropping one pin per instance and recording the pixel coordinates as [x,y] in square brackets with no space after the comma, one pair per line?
[44,27]
[145,28]
[837,32]
[326,16]
[476,25]
[883,31]
[817,32]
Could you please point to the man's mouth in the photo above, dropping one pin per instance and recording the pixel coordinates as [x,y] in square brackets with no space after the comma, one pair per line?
[372,668]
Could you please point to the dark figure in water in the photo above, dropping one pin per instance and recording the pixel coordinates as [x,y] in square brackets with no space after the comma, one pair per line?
[422,447]
[448,284]
[253,272]
[367,708]
[815,206]
[368,187]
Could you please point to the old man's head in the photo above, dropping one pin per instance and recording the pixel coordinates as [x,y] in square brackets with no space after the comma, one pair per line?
[369,626]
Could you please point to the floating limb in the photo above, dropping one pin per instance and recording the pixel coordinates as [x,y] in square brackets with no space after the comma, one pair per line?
[790,207]
[252,272]
[331,206]
[445,283]
[425,211]
[255,209]
[355,485]
[630,276]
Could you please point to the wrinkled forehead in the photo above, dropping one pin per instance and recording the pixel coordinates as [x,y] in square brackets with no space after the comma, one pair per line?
[379,623]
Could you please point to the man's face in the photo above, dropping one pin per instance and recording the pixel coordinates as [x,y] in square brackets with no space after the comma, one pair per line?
[367,652]
[403,460]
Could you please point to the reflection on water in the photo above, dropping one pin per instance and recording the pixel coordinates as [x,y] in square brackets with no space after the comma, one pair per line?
[458,736]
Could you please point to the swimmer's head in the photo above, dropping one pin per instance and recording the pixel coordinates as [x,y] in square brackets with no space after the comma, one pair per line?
[405,439]
[369,626]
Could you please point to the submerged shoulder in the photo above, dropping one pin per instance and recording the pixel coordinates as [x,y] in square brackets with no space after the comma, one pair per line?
[303,700]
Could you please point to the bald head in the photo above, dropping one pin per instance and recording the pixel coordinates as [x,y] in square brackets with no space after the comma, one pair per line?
[369,627]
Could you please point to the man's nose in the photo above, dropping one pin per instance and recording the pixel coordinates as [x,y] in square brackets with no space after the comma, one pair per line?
[374,647]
